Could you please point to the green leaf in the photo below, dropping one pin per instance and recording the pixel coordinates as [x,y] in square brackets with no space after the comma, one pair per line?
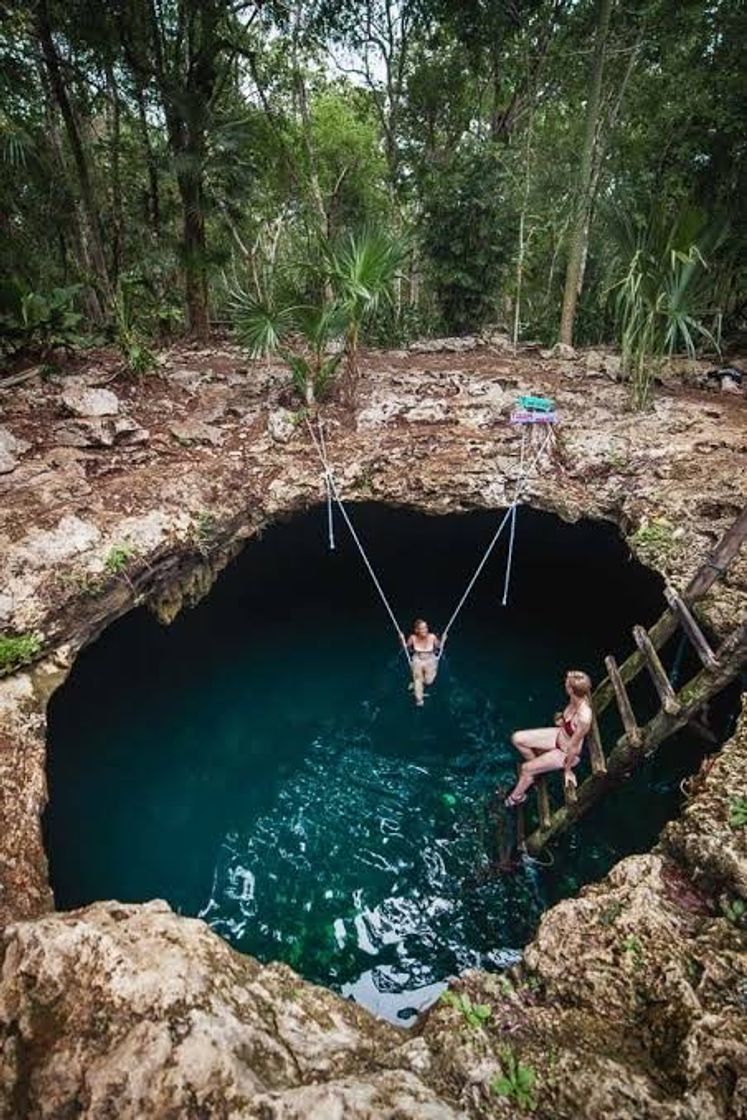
[502,1086]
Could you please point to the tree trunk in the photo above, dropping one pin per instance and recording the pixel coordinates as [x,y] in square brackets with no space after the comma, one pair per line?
[116,179]
[92,305]
[194,249]
[154,198]
[580,229]
[93,239]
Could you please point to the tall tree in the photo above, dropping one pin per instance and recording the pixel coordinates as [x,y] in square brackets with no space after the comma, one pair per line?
[182,47]
[94,244]
[582,208]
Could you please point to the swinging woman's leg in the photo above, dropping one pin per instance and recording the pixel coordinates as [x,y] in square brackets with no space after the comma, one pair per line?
[417,680]
[430,670]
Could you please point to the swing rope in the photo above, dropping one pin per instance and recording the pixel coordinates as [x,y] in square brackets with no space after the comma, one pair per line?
[509,559]
[510,514]
[333,491]
[328,487]
[493,542]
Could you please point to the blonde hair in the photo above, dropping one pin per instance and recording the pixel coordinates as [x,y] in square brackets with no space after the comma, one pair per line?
[580,683]
[419,622]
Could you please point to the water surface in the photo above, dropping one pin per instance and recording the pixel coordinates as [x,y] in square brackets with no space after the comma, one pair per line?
[260,763]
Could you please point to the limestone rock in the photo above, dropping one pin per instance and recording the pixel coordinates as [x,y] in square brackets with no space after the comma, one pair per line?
[564,352]
[10,448]
[84,433]
[397,1095]
[91,402]
[428,411]
[128,431]
[444,345]
[6,608]
[11,443]
[164,1019]
[189,379]
[214,402]
[8,462]
[49,547]
[280,425]
[196,431]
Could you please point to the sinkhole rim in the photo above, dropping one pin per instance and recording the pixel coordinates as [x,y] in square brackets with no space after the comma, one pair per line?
[287,519]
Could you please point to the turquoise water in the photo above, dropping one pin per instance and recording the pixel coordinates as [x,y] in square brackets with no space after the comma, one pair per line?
[260,763]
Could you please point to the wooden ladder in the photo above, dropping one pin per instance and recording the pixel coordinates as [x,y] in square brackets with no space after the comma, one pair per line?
[676,707]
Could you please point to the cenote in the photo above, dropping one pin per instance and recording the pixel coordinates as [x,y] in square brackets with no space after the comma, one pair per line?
[260,763]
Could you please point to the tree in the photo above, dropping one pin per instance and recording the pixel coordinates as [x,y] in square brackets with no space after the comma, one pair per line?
[184,48]
[92,243]
[580,227]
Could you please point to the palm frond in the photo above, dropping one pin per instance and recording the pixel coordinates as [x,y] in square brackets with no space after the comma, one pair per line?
[260,327]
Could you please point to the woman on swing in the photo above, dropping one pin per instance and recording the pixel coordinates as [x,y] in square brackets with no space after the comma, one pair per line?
[423,648]
[555,748]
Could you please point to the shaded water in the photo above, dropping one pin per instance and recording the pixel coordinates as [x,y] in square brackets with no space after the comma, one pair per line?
[261,764]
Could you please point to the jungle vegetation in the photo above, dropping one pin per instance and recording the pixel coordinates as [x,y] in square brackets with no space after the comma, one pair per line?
[567,170]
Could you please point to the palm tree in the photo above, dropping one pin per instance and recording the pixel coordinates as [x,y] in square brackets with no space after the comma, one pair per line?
[361,271]
[301,334]
[663,293]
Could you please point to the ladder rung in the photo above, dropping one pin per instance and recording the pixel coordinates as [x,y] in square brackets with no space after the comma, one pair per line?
[596,750]
[543,802]
[656,670]
[632,730]
[690,626]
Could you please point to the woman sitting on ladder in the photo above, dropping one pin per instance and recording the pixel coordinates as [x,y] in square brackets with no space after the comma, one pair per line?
[423,649]
[555,748]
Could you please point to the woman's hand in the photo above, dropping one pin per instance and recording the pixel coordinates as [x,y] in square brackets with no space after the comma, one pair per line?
[558,719]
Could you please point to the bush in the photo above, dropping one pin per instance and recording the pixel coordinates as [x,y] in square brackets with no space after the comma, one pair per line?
[467,235]
[39,319]
[17,650]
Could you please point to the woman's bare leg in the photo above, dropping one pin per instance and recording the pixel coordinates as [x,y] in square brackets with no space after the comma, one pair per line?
[552,759]
[417,679]
[535,741]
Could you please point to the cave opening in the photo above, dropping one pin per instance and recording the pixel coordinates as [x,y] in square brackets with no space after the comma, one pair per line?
[260,762]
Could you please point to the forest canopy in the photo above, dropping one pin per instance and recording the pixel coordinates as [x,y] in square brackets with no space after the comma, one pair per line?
[569,169]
